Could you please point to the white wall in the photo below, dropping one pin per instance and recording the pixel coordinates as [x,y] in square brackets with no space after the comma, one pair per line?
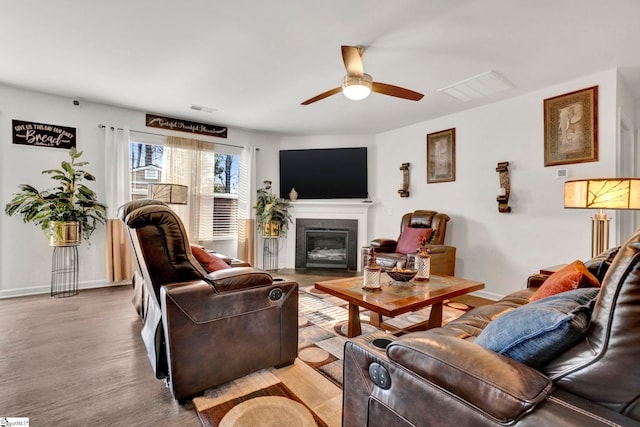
[500,249]
[25,258]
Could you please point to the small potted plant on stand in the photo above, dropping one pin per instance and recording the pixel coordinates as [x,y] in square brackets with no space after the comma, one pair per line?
[272,213]
[65,212]
[273,218]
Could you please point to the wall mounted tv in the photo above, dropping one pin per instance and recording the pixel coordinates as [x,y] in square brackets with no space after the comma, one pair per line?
[324,173]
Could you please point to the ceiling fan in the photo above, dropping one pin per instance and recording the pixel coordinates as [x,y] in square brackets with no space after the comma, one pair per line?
[357,85]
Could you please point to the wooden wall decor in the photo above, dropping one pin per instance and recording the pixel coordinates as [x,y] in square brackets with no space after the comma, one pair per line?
[43,135]
[170,123]
[505,188]
[404,192]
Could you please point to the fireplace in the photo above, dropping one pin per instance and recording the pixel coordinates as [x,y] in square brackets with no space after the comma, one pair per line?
[341,209]
[326,243]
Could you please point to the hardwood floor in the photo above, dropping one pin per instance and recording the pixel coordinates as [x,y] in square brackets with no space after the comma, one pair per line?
[80,361]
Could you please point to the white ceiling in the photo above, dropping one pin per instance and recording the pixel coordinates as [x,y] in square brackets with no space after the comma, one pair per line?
[254,61]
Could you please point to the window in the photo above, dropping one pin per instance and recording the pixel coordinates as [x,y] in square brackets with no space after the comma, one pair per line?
[151,174]
[212,177]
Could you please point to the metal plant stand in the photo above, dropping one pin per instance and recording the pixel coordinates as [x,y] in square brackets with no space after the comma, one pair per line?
[270,254]
[64,271]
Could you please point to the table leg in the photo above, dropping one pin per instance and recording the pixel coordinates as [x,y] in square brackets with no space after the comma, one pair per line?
[354,329]
[435,318]
[375,319]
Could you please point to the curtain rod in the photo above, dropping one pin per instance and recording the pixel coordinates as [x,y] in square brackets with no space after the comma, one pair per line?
[101,126]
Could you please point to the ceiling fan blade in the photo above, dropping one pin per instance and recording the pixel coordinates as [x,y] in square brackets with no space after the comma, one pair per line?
[352,60]
[323,95]
[397,91]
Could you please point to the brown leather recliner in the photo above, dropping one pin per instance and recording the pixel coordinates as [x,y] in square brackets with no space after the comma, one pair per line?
[443,258]
[204,329]
[441,377]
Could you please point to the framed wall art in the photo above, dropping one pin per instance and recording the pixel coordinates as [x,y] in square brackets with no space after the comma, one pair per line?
[571,127]
[441,156]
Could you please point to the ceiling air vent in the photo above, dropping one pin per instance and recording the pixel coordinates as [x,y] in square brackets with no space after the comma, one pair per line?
[202,108]
[476,87]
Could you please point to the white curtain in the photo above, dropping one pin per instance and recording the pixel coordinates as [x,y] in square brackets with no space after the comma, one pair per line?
[246,201]
[117,185]
[188,162]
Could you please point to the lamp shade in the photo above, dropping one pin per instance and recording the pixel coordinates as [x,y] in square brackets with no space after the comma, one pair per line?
[357,87]
[169,193]
[602,193]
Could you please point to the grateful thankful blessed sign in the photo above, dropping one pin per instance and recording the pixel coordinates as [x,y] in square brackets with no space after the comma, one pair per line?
[162,122]
[43,135]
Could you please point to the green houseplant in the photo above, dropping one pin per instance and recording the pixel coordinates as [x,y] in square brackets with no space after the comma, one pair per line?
[272,213]
[63,211]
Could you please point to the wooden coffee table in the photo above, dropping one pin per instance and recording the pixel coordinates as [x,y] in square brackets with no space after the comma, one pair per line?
[396,298]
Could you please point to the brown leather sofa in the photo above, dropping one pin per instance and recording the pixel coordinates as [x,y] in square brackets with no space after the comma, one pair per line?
[204,329]
[441,377]
[443,258]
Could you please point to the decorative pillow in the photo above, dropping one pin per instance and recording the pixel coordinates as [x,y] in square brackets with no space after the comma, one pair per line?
[208,261]
[572,276]
[536,333]
[410,239]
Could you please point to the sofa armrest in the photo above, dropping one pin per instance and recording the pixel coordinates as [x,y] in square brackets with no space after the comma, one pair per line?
[234,278]
[536,280]
[384,245]
[201,303]
[438,249]
[497,385]
[429,399]
[443,259]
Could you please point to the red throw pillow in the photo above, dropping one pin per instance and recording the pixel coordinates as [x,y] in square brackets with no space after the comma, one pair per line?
[572,276]
[208,261]
[410,239]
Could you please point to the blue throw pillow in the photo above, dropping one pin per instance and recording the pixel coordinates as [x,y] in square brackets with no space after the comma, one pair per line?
[536,333]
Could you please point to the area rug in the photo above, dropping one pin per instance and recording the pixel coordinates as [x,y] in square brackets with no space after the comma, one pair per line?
[309,392]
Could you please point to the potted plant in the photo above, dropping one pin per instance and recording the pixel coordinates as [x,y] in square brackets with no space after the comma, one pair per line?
[272,213]
[64,212]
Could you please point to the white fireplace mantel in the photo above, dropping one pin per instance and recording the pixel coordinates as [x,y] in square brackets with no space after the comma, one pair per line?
[326,209]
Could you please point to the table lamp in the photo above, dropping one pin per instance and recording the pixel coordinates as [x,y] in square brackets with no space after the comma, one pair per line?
[174,194]
[602,193]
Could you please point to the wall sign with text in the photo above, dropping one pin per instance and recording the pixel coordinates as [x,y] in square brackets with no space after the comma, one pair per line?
[43,135]
[162,122]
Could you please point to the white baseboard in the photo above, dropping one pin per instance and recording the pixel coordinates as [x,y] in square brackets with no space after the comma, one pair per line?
[46,289]
[487,295]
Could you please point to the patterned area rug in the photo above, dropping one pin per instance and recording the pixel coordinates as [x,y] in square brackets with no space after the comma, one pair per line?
[309,392]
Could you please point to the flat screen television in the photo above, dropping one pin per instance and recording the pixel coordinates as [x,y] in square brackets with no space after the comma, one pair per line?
[324,173]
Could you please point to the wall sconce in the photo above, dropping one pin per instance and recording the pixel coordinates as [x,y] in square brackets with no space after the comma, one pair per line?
[505,188]
[603,193]
[169,193]
[404,192]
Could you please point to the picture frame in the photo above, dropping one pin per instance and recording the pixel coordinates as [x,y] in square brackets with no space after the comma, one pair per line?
[571,127]
[441,156]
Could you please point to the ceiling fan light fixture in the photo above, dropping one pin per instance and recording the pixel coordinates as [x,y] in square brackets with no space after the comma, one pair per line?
[357,87]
